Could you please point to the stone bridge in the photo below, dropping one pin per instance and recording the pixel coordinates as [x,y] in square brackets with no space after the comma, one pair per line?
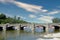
[5,27]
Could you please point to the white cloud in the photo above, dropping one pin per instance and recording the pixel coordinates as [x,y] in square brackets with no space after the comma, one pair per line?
[21,17]
[47,19]
[4,1]
[41,15]
[32,16]
[33,8]
[27,7]
[44,10]
[54,12]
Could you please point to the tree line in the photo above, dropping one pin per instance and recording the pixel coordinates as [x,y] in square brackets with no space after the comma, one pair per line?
[4,19]
[56,20]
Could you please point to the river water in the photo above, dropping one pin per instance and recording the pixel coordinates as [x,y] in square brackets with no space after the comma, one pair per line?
[23,35]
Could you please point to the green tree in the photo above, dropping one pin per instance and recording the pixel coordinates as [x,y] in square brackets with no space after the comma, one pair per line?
[56,20]
[18,18]
[2,16]
[4,19]
[9,20]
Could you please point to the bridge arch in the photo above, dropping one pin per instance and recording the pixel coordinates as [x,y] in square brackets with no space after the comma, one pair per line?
[56,27]
[40,28]
[10,28]
[1,28]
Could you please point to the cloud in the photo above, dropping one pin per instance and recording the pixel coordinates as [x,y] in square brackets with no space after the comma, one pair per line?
[21,17]
[32,16]
[47,19]
[4,1]
[27,7]
[33,8]
[54,12]
[44,10]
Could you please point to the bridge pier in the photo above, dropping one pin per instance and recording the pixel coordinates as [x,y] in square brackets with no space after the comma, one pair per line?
[47,28]
[32,27]
[4,28]
[17,27]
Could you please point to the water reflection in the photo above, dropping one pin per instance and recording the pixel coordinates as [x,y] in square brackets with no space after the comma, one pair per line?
[27,29]
[21,35]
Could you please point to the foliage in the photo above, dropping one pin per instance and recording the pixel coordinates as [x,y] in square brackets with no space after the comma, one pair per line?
[56,20]
[4,19]
[2,16]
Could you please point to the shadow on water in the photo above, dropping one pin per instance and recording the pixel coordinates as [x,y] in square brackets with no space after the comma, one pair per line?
[56,31]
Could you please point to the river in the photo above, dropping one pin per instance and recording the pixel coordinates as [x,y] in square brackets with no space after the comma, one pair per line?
[23,35]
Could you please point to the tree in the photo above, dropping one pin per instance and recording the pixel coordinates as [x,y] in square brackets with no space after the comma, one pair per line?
[2,16]
[9,20]
[4,19]
[56,20]
[18,18]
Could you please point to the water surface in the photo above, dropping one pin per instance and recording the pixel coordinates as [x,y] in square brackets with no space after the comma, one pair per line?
[22,35]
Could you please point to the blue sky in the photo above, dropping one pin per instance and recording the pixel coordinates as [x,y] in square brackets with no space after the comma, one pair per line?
[38,11]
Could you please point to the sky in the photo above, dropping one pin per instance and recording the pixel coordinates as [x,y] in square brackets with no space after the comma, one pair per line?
[36,11]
